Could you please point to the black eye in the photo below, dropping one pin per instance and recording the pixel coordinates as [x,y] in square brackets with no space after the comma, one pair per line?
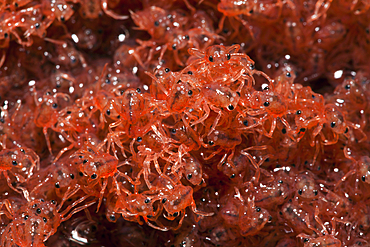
[347,86]
[167,70]
[26,217]
[174,46]
[22,150]
[57,185]
[306,240]
[173,131]
[94,176]
[300,191]
[211,143]
[232,176]
[230,107]
[298,112]
[176,214]
[2,120]
[14,163]
[55,105]
[139,139]
[147,200]
[81,174]
[280,181]
[42,200]
[156,23]
[6,35]
[228,56]
[38,211]
[190,92]
[164,200]
[189,176]
[37,25]
[52,201]
[258,209]
[252,67]
[363,178]
[315,192]
[45,220]
[190,73]
[84,161]
[283,130]
[187,37]
[245,122]
[62,18]
[288,74]
[346,131]
[266,103]
[112,218]
[302,130]
[210,58]
[332,124]
[72,176]
[138,90]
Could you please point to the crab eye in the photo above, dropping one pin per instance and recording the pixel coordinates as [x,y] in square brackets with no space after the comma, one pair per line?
[147,200]
[228,56]
[210,58]
[55,105]
[167,70]
[94,176]
[190,92]
[230,107]
[332,124]
[266,103]
[288,74]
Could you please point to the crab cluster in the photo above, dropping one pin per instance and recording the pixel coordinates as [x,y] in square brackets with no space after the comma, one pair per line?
[147,124]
